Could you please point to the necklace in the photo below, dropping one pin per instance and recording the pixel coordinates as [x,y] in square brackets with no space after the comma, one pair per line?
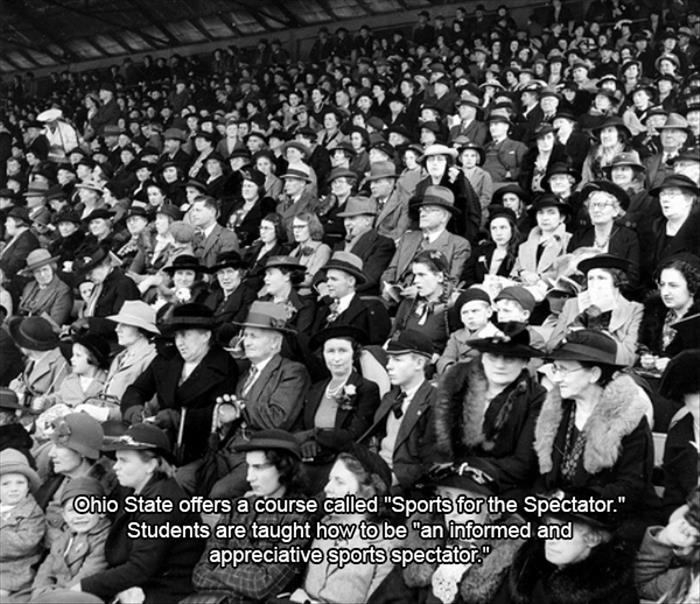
[333,392]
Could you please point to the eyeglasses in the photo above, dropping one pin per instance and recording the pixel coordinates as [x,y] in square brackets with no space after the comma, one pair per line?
[562,371]
[599,205]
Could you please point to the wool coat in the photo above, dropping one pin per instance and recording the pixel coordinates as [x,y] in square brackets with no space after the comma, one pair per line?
[652,324]
[56,300]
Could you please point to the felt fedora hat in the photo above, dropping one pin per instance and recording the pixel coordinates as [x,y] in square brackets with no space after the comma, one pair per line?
[137,314]
[33,333]
[36,259]
[288,262]
[382,169]
[79,432]
[359,206]
[436,195]
[267,315]
[348,263]
[588,346]
[190,316]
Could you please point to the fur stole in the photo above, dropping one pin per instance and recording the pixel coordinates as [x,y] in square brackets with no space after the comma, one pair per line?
[605,576]
[481,581]
[618,413]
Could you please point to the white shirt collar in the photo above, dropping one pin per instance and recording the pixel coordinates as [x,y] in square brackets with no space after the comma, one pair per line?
[344,302]
[209,229]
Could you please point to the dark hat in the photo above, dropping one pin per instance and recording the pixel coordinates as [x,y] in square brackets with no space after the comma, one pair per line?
[342,173]
[298,172]
[242,152]
[343,147]
[681,375]
[211,157]
[97,345]
[497,116]
[513,342]
[33,333]
[79,432]
[544,129]
[431,125]
[175,134]
[257,134]
[254,176]
[436,195]
[614,122]
[688,154]
[411,341]
[562,168]
[470,295]
[210,136]
[604,261]
[140,437]
[464,476]
[518,294]
[603,520]
[136,210]
[348,332]
[19,213]
[589,346]
[230,259]
[679,181]
[267,315]
[626,158]
[8,399]
[609,187]
[384,147]
[549,200]
[102,213]
[474,147]
[196,184]
[496,211]
[565,115]
[371,462]
[284,262]
[299,146]
[190,316]
[90,260]
[170,210]
[264,440]
[185,262]
[82,485]
[348,263]
[514,188]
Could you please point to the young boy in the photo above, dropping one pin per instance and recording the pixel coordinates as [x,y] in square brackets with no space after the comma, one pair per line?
[474,310]
[22,524]
[516,303]
[79,551]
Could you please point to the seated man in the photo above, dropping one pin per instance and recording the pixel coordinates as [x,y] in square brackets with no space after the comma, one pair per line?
[401,431]
[270,395]
[436,209]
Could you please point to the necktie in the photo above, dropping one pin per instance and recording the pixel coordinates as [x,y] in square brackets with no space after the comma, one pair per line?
[252,374]
[396,408]
[333,314]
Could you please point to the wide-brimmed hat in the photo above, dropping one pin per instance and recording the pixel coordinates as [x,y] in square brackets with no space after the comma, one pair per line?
[190,316]
[267,315]
[689,154]
[33,333]
[411,341]
[230,259]
[549,200]
[67,215]
[341,173]
[50,115]
[679,181]
[514,188]
[170,210]
[100,214]
[348,263]
[612,122]
[91,184]
[626,158]
[348,332]
[604,261]
[675,121]
[298,171]
[13,461]
[608,187]
[512,342]
[359,206]
[265,440]
[288,262]
[36,189]
[175,134]
[185,262]
[667,57]
[382,169]
[463,476]
[436,195]
[588,346]
[562,167]
[140,437]
[8,399]
[90,260]
[137,314]
[438,149]
[79,432]
[36,259]
[299,146]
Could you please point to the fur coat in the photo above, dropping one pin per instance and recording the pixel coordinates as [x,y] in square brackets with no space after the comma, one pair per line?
[651,327]
[495,436]
[606,576]
[618,452]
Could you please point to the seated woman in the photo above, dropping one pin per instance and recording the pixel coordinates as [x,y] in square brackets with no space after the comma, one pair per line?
[248,211]
[337,410]
[604,307]
[539,159]
[364,475]
[271,242]
[594,565]
[496,255]
[486,410]
[427,312]
[593,430]
[513,198]
[667,563]
[229,298]
[186,285]
[157,568]
[678,287]
[273,459]
[46,294]
[606,204]
[310,251]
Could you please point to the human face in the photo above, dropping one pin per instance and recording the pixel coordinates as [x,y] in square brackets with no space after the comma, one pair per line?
[155,196]
[293,186]
[80,360]
[338,356]
[100,272]
[454,494]
[403,369]
[228,278]
[609,136]
[691,169]
[475,314]
[545,143]
[671,138]
[131,470]
[170,173]
[501,231]
[275,281]
[500,370]
[127,334]
[600,280]
[622,176]
[301,231]
[574,379]
[512,202]
[436,165]
[560,184]
[13,488]
[341,187]
[99,227]
[381,187]
[674,289]
[267,232]
[602,207]
[258,344]
[354,225]
[162,224]
[136,224]
[341,482]
[64,460]
[339,283]
[675,203]
[183,278]
[264,165]
[202,215]
[192,344]
[263,477]
[427,282]
[43,275]
[498,129]
[66,229]
[432,217]
[562,552]
[510,310]
[548,219]
[79,522]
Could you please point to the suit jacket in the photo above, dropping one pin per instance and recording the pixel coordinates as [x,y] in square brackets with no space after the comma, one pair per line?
[42,377]
[117,288]
[657,170]
[413,449]
[392,220]
[476,132]
[215,376]
[503,160]
[232,309]
[358,314]
[56,300]
[13,256]
[376,251]
[455,248]
[219,240]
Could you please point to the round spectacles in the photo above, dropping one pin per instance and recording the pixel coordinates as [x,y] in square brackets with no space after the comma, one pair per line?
[562,371]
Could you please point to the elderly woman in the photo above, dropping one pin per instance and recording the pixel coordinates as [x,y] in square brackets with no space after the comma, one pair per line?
[607,204]
[337,409]
[46,294]
[627,172]
[604,306]
[593,431]
[540,158]
[248,211]
[310,251]
[613,136]
[486,411]
[228,297]
[146,568]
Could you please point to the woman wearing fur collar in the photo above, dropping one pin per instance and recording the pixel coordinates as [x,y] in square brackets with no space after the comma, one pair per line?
[487,408]
[593,430]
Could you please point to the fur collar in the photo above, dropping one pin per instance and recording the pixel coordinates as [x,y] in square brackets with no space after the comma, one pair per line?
[481,582]
[618,413]
[605,576]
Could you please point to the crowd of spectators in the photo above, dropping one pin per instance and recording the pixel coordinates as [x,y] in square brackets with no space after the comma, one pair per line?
[460,262]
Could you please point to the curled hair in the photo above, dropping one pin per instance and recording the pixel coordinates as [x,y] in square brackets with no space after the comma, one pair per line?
[291,473]
[276,221]
[370,485]
[315,227]
[690,273]
[619,277]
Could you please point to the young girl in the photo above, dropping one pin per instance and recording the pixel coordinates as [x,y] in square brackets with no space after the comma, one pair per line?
[22,523]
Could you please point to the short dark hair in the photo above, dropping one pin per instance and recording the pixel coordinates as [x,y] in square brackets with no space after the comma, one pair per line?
[276,221]
[690,273]
[292,476]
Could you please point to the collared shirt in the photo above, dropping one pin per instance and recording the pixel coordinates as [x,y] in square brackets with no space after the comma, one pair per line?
[432,237]
[258,367]
[208,231]
[344,302]
[386,447]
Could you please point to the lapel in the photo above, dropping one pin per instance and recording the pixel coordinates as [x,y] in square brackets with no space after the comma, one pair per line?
[210,242]
[620,315]
[364,244]
[313,401]
[549,255]
[206,375]
[342,414]
[351,311]
[48,366]
[442,243]
[416,408]
[408,253]
[380,414]
[389,207]
[263,380]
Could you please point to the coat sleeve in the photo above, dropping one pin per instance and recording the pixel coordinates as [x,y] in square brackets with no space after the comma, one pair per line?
[377,263]
[449,356]
[22,538]
[284,404]
[628,336]
[460,255]
[62,306]
[656,571]
[141,391]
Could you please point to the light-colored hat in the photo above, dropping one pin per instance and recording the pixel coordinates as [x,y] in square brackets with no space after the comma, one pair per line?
[348,263]
[298,171]
[137,314]
[80,433]
[438,150]
[359,206]
[50,115]
[267,315]
[91,184]
[13,461]
[36,259]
